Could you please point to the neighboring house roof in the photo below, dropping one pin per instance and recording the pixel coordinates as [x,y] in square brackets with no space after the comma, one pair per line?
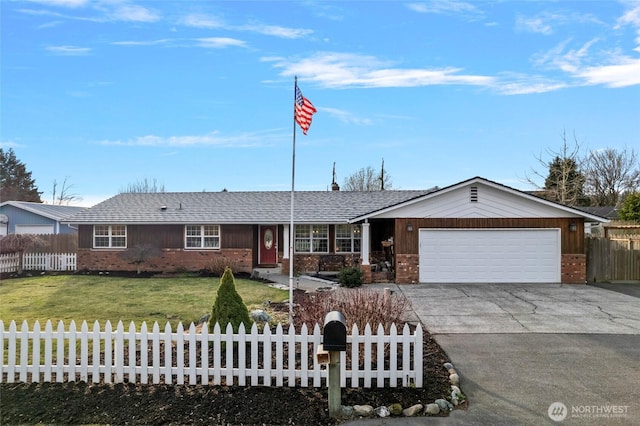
[239,207]
[519,204]
[50,211]
[608,212]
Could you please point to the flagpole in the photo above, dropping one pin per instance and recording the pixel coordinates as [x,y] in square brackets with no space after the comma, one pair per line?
[292,237]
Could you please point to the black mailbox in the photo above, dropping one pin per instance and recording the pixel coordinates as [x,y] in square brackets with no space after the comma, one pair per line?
[335,332]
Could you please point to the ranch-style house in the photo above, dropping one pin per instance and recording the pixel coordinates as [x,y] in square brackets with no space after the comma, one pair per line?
[475,231]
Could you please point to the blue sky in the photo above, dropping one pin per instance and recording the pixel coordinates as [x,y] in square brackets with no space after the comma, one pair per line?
[198,95]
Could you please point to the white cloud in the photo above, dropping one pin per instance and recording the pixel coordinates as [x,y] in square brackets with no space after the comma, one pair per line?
[276,31]
[463,9]
[243,140]
[608,68]
[346,116]
[141,43]
[61,3]
[69,50]
[340,70]
[622,74]
[535,24]
[220,42]
[133,13]
[201,21]
[210,22]
[443,7]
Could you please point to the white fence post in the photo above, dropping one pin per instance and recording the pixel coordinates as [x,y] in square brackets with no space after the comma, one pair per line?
[32,355]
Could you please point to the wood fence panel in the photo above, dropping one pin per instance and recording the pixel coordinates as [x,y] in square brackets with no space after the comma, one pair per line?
[609,260]
[116,356]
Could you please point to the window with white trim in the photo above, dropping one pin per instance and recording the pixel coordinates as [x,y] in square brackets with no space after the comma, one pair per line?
[348,238]
[202,236]
[312,238]
[110,236]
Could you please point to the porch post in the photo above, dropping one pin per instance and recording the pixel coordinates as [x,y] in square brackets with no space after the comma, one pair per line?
[366,245]
[285,237]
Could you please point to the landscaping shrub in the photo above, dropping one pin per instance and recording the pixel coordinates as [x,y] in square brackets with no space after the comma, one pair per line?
[229,306]
[218,265]
[350,277]
[359,306]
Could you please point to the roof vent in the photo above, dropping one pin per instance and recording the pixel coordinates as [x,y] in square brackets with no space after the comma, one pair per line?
[473,194]
[163,208]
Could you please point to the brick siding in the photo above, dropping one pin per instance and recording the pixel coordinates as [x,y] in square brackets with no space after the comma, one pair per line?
[407,268]
[171,260]
[574,269]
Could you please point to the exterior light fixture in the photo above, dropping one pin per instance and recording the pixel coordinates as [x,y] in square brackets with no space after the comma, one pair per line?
[409,227]
[573,227]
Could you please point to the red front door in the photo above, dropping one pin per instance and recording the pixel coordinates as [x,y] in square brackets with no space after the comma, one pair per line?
[268,254]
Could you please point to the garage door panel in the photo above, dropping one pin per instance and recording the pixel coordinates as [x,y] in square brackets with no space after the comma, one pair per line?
[489,255]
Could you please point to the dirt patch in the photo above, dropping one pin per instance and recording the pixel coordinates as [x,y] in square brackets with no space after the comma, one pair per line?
[82,403]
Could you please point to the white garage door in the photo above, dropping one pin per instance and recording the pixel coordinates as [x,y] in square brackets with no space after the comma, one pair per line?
[489,255]
[34,229]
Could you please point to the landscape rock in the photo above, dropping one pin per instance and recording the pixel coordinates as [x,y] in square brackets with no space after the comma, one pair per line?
[414,410]
[347,411]
[454,379]
[362,410]
[395,409]
[456,388]
[448,365]
[452,371]
[382,411]
[432,409]
[258,315]
[444,405]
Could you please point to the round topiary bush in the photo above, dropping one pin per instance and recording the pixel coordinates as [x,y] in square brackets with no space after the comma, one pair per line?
[350,277]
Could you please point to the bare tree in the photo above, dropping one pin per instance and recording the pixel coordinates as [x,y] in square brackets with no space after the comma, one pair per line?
[143,186]
[19,243]
[139,254]
[563,177]
[610,175]
[65,197]
[367,179]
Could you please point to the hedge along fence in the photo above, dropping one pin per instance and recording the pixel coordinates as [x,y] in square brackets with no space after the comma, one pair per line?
[193,356]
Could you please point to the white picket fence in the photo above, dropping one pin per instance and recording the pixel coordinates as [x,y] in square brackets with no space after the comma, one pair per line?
[38,262]
[193,356]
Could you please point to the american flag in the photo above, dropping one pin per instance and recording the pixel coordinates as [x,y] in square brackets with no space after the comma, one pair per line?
[304,109]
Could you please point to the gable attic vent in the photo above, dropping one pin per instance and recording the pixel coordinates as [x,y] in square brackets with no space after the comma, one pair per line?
[473,194]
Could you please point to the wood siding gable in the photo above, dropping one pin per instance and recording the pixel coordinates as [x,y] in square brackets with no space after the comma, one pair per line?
[486,201]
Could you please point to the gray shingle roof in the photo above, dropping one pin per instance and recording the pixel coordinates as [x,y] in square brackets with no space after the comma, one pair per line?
[51,211]
[239,207]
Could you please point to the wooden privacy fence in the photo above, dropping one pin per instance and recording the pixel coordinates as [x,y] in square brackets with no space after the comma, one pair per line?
[38,262]
[611,260]
[257,358]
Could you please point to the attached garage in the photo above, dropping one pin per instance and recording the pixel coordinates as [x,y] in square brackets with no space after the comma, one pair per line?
[489,255]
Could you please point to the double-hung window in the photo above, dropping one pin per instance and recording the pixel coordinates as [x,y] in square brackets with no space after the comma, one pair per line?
[348,238]
[312,238]
[202,237]
[110,236]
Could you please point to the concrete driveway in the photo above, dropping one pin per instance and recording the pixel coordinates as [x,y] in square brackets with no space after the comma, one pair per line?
[525,349]
[523,308]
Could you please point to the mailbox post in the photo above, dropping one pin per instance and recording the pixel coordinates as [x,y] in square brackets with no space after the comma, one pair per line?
[334,341]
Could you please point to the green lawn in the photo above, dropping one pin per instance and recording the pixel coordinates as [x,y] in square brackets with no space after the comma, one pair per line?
[90,298]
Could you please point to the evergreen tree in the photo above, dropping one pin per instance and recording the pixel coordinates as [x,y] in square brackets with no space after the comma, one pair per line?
[631,208]
[229,306]
[565,182]
[16,183]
